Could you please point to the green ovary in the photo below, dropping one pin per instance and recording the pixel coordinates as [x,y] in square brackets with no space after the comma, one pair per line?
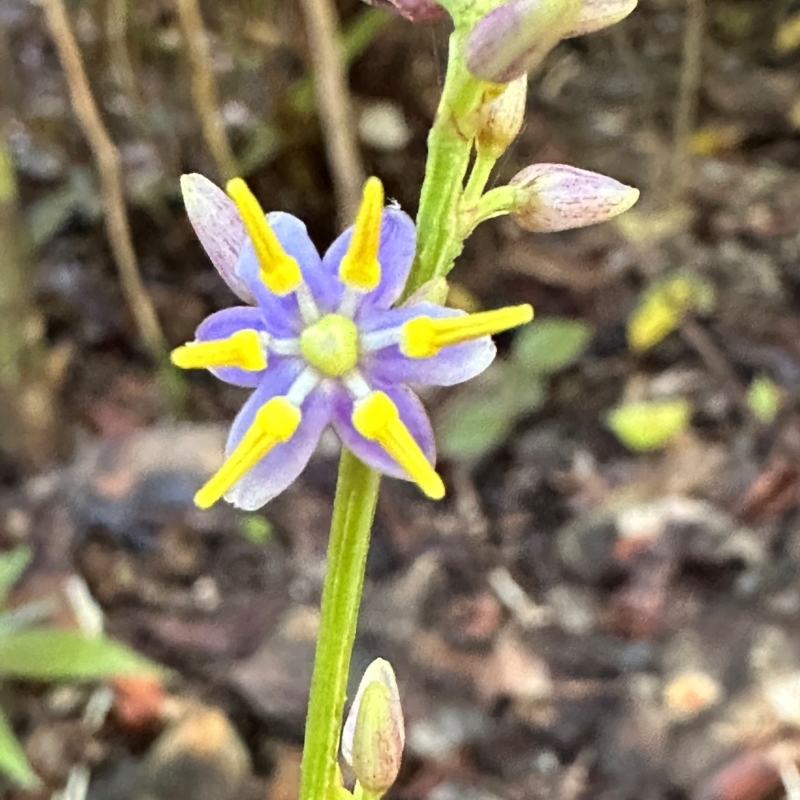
[331,345]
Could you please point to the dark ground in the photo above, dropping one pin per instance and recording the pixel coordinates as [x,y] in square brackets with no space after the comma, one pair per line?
[575,620]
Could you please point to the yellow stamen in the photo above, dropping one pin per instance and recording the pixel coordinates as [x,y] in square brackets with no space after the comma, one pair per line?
[242,349]
[360,269]
[376,418]
[423,337]
[279,271]
[275,422]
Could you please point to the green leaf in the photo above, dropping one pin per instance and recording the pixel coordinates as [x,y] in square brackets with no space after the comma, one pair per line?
[12,565]
[56,654]
[255,528]
[12,758]
[548,345]
[648,426]
[473,429]
[764,399]
[479,420]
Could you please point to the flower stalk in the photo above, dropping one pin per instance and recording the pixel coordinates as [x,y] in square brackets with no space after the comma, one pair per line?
[439,241]
[353,512]
[449,149]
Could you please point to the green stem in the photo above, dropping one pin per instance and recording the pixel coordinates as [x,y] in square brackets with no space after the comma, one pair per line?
[353,511]
[494,203]
[478,178]
[449,149]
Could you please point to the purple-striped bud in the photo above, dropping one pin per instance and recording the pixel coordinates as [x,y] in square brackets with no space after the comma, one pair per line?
[373,736]
[413,10]
[556,197]
[500,121]
[513,39]
[598,14]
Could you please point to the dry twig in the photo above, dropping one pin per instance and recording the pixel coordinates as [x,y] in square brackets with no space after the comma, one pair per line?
[204,90]
[28,424]
[686,108]
[333,101]
[108,163]
[120,65]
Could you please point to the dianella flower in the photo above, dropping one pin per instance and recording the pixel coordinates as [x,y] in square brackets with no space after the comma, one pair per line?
[321,343]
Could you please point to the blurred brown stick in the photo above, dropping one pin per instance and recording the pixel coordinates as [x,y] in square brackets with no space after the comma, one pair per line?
[108,164]
[333,102]
[29,422]
[688,90]
[204,89]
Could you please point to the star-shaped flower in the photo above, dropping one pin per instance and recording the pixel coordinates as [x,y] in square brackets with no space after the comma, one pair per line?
[321,344]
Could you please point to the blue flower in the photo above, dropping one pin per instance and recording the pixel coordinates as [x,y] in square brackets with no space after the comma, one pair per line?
[320,343]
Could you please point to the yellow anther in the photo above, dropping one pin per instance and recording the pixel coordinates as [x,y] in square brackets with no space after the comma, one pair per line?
[275,422]
[376,418]
[423,337]
[279,271]
[243,349]
[360,269]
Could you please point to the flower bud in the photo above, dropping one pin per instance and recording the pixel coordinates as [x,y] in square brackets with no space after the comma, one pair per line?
[501,120]
[514,38]
[556,197]
[413,10]
[598,14]
[374,733]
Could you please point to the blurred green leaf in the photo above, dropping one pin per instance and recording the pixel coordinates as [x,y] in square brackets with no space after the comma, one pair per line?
[764,399]
[650,425]
[12,758]
[480,418]
[56,654]
[355,39]
[473,429]
[551,344]
[255,528]
[12,565]
[77,196]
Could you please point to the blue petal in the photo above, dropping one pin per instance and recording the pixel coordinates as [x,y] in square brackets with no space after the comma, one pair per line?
[451,365]
[412,414]
[221,325]
[395,254]
[281,466]
[281,314]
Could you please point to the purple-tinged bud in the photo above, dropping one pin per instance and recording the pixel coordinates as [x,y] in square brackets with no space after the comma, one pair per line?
[413,10]
[598,14]
[556,197]
[374,733]
[515,37]
[500,121]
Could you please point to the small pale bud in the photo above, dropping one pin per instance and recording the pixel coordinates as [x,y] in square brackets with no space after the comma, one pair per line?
[501,120]
[514,38]
[556,197]
[413,10]
[598,14]
[374,733]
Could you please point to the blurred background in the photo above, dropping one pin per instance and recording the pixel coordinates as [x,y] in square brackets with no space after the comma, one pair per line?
[607,603]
